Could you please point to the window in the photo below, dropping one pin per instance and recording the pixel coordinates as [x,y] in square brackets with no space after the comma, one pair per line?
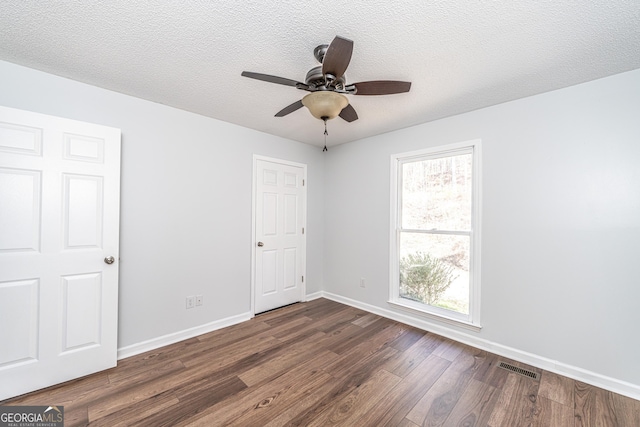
[435,235]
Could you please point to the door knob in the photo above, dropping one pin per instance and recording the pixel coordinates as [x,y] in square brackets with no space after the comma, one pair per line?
[109,260]
[260,244]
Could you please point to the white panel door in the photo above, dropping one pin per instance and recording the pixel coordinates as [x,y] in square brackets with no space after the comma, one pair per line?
[59,226]
[279,251]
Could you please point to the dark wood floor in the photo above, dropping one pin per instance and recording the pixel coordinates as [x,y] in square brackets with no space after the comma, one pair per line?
[322,363]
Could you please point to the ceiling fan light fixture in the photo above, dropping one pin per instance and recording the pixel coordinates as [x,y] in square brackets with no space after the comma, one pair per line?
[325,104]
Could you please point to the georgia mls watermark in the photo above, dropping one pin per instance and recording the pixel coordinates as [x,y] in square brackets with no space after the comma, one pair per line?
[31,416]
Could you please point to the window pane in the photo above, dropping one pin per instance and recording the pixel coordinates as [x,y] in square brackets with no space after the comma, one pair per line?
[434,270]
[436,193]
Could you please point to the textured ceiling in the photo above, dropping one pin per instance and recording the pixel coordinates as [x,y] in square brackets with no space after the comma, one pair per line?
[460,55]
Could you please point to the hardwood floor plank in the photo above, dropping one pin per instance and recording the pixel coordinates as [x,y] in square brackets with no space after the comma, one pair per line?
[373,344]
[322,308]
[274,407]
[355,362]
[516,403]
[395,406]
[449,349]
[222,337]
[292,329]
[365,334]
[361,401]
[490,373]
[131,392]
[76,416]
[315,324]
[475,406]
[366,320]
[557,388]
[243,404]
[62,394]
[324,363]
[211,386]
[287,312]
[408,339]
[293,334]
[278,363]
[79,395]
[406,361]
[335,337]
[219,366]
[303,403]
[438,402]
[193,402]
[232,352]
[350,376]
[627,410]
[136,413]
[143,374]
[309,310]
[150,359]
[406,423]
[551,413]
[593,407]
[287,320]
[241,347]
[338,319]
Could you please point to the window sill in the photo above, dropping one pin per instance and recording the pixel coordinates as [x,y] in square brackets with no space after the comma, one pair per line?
[438,317]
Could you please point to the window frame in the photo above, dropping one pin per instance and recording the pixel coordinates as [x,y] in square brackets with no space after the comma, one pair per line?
[471,320]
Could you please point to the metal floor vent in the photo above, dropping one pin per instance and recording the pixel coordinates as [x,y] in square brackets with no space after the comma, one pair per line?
[519,371]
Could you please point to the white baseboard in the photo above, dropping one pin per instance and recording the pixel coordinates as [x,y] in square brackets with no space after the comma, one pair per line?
[315,295]
[589,377]
[152,344]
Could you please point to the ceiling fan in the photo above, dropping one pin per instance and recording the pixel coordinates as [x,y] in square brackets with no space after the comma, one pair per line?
[328,84]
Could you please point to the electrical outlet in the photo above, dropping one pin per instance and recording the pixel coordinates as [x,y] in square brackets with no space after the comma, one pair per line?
[198,299]
[362,282]
[191,302]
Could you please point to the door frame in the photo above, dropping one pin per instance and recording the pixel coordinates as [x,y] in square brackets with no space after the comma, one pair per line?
[303,249]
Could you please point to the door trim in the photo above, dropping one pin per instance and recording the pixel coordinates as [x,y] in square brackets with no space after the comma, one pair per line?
[254,190]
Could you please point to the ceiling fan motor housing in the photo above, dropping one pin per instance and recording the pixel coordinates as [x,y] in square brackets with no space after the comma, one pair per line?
[320,51]
[316,79]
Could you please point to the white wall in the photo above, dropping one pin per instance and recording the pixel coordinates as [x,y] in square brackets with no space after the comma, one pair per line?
[185,201]
[560,223]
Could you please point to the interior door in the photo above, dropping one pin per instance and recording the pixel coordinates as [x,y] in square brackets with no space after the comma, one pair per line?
[279,239]
[59,234]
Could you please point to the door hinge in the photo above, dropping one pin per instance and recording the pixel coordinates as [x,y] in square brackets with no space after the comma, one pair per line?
[302,279]
[302,230]
[303,182]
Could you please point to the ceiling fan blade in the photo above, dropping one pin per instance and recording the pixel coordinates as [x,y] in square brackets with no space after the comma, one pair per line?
[349,114]
[289,109]
[381,87]
[271,79]
[338,56]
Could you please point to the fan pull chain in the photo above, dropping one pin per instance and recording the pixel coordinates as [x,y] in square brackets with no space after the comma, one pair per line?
[325,134]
